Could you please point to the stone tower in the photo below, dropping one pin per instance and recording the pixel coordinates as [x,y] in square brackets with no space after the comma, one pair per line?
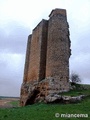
[47,59]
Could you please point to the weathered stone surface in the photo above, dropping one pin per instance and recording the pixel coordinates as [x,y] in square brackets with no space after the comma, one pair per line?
[47,60]
[75,99]
[37,52]
[53,98]
[63,99]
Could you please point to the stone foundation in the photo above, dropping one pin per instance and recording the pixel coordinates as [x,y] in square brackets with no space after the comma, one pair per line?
[34,91]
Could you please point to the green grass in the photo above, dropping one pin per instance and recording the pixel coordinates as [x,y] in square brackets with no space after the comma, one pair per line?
[46,111]
[14,103]
[41,111]
[80,89]
[77,92]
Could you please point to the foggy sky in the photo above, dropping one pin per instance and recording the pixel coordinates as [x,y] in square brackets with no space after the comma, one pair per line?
[18,18]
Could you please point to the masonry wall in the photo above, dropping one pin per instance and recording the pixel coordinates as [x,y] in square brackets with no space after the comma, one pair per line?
[37,58]
[47,59]
[27,60]
[58,48]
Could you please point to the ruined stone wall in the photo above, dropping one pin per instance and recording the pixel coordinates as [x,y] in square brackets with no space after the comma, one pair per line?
[37,60]
[42,71]
[47,59]
[58,48]
[27,60]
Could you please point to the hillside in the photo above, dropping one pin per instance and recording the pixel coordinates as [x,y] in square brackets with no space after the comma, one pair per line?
[41,111]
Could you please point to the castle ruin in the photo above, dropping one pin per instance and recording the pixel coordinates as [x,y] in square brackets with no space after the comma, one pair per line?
[47,59]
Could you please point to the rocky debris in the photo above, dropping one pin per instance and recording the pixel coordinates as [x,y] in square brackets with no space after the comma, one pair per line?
[53,98]
[63,99]
[46,91]
[72,87]
[78,87]
[32,92]
[75,99]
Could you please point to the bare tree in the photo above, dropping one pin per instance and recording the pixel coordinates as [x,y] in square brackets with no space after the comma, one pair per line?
[75,78]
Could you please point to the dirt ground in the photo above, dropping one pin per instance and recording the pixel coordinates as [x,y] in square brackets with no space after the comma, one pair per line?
[5,102]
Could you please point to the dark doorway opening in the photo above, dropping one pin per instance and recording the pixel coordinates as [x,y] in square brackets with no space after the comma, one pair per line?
[31,99]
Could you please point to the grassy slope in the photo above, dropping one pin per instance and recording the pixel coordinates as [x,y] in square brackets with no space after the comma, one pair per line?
[76,93]
[47,111]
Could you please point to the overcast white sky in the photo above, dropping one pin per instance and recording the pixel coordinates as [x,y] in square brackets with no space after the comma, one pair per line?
[19,17]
